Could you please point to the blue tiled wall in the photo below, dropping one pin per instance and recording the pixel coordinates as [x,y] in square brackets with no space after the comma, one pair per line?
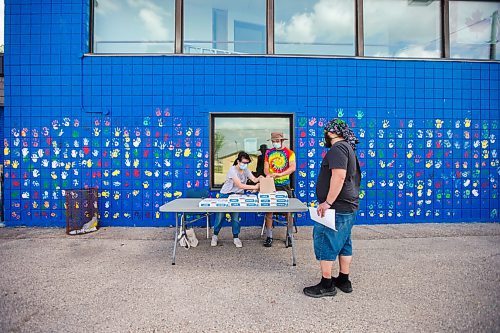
[137,127]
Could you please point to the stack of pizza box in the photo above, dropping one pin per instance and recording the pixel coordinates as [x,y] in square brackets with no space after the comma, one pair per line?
[243,200]
[274,199]
[213,202]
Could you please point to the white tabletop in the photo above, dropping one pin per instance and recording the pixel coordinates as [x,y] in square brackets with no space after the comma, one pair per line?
[190,205]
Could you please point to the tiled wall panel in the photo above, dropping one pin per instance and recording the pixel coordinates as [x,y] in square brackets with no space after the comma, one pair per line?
[138,127]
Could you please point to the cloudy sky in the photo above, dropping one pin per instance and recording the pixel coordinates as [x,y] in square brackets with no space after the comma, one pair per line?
[392,27]
[252,131]
[135,20]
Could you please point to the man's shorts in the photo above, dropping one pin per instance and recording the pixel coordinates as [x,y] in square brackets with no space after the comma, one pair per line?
[328,243]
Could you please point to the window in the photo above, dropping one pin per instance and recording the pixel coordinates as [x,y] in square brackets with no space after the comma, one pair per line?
[225,26]
[232,133]
[402,28]
[134,26]
[465,29]
[314,27]
[474,31]
[2,26]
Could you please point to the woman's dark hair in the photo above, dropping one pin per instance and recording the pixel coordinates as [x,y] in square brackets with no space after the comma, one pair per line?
[242,155]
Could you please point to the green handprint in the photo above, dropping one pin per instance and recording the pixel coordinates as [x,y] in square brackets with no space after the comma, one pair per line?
[359,114]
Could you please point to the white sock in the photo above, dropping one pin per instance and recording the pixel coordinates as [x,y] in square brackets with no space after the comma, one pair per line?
[269,232]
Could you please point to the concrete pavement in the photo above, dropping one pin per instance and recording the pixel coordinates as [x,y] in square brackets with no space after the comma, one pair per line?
[406,278]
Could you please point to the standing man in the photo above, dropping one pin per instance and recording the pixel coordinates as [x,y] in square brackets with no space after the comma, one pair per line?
[279,163]
[260,161]
[337,188]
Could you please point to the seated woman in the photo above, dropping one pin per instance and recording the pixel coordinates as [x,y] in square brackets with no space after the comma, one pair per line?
[235,183]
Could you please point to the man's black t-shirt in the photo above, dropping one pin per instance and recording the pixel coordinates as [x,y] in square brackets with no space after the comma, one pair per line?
[260,166]
[340,156]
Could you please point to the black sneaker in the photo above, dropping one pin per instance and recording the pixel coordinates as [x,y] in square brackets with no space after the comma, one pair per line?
[268,242]
[318,291]
[345,286]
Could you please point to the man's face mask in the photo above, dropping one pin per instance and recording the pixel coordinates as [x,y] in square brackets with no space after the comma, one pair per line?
[277,145]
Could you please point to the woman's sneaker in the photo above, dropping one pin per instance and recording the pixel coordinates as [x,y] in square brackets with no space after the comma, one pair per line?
[214,241]
[237,242]
[268,242]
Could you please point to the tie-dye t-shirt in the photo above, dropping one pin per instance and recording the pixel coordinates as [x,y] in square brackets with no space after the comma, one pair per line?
[279,160]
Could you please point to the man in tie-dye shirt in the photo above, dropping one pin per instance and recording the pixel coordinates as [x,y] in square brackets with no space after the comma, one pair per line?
[279,163]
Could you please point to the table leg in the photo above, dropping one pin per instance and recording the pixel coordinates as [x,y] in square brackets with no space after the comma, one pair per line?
[208,226]
[175,239]
[289,230]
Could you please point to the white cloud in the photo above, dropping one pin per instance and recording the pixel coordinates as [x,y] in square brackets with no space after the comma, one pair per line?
[299,29]
[393,21]
[329,21]
[417,51]
[152,17]
[386,23]
[145,4]
[154,24]
[335,17]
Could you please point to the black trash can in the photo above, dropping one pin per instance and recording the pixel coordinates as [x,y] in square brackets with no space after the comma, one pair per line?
[82,211]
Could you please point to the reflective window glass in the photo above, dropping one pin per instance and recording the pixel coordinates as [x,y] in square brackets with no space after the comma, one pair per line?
[324,27]
[2,12]
[134,26]
[232,133]
[225,26]
[402,28]
[474,30]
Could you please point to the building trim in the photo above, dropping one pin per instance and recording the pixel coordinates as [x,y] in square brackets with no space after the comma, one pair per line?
[270,26]
[179,20]
[445,29]
[360,40]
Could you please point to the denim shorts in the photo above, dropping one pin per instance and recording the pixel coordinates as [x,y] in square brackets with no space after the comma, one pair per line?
[328,243]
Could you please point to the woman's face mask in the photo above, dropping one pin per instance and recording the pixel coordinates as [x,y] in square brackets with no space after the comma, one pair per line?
[277,145]
[243,166]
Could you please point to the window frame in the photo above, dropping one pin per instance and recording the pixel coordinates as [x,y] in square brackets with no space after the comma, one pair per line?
[233,42]
[213,115]
[270,47]
[177,35]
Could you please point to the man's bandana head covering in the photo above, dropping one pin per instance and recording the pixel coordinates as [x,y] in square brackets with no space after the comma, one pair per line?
[340,127]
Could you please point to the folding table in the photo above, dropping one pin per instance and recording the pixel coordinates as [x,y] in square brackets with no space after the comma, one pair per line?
[191,205]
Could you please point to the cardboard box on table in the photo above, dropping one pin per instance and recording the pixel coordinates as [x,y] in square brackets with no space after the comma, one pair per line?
[267,185]
[268,196]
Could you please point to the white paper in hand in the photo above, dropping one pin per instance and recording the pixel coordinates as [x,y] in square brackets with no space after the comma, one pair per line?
[328,220]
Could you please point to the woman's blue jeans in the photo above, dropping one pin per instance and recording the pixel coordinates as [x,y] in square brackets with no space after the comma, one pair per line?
[235,223]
